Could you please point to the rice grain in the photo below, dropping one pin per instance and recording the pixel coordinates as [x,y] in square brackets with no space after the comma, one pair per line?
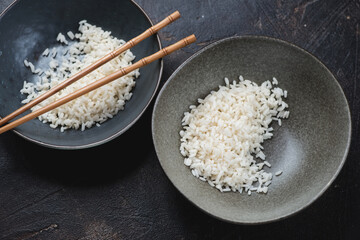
[222,136]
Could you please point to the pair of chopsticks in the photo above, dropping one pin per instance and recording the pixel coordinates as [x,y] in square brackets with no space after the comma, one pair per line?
[121,72]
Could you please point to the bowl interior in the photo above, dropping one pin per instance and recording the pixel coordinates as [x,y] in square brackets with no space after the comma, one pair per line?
[29,27]
[310,147]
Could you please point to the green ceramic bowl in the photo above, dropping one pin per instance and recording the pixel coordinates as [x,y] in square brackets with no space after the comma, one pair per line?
[28,27]
[310,147]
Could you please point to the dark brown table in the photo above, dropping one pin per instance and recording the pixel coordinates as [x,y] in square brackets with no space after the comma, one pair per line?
[49,194]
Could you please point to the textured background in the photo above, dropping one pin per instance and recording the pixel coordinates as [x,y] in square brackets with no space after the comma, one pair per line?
[49,194]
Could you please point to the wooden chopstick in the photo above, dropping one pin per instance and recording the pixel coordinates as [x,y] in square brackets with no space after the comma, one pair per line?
[123,71]
[131,43]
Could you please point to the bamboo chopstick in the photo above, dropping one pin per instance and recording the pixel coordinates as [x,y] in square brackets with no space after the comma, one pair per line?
[131,43]
[123,71]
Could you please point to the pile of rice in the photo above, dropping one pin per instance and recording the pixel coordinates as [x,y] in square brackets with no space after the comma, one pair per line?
[222,137]
[82,49]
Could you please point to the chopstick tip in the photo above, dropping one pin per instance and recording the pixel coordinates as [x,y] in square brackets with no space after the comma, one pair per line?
[175,15]
[191,38]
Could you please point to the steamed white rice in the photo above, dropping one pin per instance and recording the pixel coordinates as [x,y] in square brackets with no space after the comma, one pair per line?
[222,137]
[90,44]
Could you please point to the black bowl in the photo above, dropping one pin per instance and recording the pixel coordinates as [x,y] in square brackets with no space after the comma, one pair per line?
[28,27]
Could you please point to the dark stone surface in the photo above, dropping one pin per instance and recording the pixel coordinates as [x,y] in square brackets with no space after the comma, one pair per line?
[49,194]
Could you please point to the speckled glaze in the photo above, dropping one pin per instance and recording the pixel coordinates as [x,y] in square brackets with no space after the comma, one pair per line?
[28,27]
[310,147]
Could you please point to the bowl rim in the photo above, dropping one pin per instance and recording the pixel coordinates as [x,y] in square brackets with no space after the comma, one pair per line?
[277,40]
[113,136]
